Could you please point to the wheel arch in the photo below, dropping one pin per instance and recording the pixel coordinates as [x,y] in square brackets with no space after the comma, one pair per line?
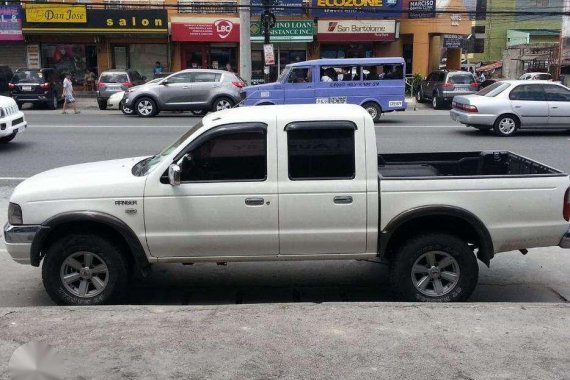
[454,220]
[220,96]
[146,95]
[91,222]
[514,115]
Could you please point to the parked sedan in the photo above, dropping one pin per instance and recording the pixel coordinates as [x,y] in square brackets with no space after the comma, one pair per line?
[508,106]
[197,90]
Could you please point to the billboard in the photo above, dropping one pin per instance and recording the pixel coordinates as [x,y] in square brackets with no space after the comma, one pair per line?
[357,8]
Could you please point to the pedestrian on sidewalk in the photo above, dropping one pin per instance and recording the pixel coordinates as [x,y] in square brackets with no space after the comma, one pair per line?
[68,94]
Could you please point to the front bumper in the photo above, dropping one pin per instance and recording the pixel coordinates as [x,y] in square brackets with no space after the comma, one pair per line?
[19,241]
[13,123]
[565,242]
[472,118]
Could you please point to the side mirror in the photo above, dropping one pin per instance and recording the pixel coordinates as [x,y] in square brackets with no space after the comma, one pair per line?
[174,175]
[164,82]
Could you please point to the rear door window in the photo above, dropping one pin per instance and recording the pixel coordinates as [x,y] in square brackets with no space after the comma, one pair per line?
[206,77]
[556,93]
[528,92]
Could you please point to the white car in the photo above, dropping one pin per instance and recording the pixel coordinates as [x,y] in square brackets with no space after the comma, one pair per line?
[536,76]
[277,183]
[115,101]
[12,120]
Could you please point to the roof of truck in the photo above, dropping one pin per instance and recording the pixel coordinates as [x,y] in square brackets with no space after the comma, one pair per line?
[351,61]
[300,112]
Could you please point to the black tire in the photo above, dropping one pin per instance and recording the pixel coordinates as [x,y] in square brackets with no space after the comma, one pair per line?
[117,276]
[420,96]
[125,110]
[222,103]
[506,125]
[436,102]
[146,107]
[374,110]
[464,265]
[102,104]
[199,112]
[7,139]
[52,102]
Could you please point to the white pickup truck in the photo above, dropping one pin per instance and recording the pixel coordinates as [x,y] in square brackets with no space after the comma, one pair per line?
[270,183]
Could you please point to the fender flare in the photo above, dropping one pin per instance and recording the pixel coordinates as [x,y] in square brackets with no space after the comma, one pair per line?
[486,249]
[136,249]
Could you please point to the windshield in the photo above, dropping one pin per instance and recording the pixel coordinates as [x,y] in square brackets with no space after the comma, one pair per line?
[145,166]
[284,74]
[494,89]
[29,76]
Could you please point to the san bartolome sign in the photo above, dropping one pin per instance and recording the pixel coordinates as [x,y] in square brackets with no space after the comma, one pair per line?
[104,21]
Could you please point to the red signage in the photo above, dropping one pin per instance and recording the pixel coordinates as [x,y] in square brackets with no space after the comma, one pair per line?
[205,30]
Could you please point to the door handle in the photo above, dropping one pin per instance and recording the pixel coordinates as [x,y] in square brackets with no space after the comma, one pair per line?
[186,87]
[554,108]
[254,201]
[517,106]
[343,200]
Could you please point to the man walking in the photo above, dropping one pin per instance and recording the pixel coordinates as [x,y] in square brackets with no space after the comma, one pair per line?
[68,94]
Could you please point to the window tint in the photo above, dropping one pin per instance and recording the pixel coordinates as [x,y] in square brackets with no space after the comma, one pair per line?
[321,154]
[556,93]
[28,76]
[440,76]
[461,78]
[239,156]
[114,78]
[207,77]
[543,77]
[181,78]
[494,89]
[300,75]
[527,92]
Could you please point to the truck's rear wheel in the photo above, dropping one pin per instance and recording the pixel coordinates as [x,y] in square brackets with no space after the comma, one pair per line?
[84,269]
[434,268]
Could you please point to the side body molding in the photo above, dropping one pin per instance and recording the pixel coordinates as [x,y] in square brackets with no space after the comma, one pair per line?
[93,217]
[486,249]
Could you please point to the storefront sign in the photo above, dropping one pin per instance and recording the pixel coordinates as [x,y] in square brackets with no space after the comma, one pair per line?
[56,13]
[356,30]
[108,21]
[453,41]
[269,54]
[285,31]
[11,23]
[279,7]
[357,8]
[33,58]
[421,9]
[205,29]
[455,19]
[207,6]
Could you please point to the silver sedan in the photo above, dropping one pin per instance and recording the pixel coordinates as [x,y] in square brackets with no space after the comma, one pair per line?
[507,106]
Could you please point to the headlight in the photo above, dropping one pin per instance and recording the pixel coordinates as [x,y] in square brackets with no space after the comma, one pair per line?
[15,214]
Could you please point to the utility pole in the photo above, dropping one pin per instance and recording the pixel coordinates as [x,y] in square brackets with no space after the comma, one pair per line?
[268,21]
[245,41]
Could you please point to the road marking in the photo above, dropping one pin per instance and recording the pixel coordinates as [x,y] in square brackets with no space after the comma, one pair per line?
[13,178]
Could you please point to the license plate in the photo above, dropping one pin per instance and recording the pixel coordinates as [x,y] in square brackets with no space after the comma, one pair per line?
[114,88]
[332,100]
[26,88]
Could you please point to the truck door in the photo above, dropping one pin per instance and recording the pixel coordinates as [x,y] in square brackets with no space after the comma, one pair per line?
[226,204]
[299,87]
[322,188]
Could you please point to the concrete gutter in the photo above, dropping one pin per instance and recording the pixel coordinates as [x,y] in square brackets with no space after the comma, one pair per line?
[299,341]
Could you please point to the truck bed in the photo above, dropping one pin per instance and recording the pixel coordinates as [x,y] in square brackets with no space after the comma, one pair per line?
[460,164]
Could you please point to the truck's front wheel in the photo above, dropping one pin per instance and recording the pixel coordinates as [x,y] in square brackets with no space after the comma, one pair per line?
[84,269]
[434,268]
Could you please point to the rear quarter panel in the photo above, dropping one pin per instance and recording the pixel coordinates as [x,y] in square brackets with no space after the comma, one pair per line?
[519,212]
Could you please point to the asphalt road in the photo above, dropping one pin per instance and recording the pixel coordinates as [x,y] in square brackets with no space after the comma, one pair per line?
[54,140]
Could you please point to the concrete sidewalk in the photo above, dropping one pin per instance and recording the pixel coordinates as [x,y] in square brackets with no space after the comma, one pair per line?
[299,341]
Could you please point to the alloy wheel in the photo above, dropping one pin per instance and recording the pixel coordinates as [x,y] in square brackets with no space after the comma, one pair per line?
[84,274]
[145,107]
[373,112]
[435,273]
[507,125]
[223,105]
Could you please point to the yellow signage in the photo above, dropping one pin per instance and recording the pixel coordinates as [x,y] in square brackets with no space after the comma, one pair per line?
[56,13]
[350,3]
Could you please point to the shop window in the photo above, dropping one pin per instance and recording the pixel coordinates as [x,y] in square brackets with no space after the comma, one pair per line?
[134,4]
[207,6]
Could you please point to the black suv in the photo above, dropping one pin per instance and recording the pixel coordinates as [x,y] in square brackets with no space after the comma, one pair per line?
[38,86]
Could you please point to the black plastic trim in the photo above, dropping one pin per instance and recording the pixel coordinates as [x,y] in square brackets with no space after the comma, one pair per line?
[486,249]
[111,221]
[321,124]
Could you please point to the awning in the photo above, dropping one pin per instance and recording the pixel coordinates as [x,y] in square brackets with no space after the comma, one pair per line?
[492,66]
